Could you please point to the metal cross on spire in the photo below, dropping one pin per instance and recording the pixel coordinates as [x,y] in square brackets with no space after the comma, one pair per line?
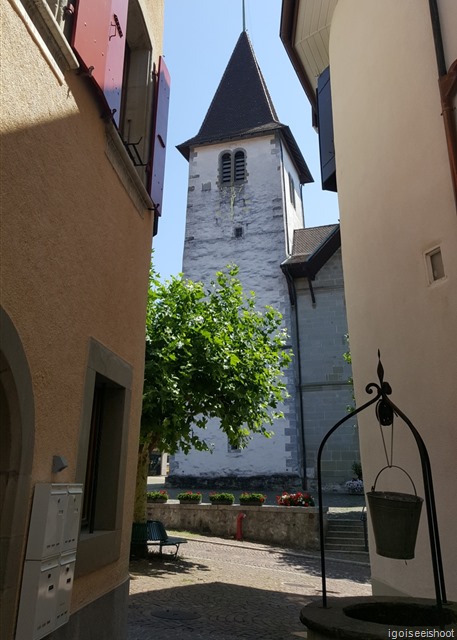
[244,15]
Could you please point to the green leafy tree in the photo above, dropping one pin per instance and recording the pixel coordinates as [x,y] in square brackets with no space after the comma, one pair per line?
[209,354]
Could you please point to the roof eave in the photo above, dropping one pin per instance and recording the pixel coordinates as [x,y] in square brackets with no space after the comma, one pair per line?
[287,31]
[310,267]
[304,173]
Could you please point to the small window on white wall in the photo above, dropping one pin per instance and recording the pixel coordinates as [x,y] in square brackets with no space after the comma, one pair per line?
[292,190]
[435,265]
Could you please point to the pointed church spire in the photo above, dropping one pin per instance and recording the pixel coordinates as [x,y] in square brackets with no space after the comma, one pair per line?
[241,102]
[242,108]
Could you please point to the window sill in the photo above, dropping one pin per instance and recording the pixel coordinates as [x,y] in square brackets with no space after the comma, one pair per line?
[122,164]
[96,550]
[40,22]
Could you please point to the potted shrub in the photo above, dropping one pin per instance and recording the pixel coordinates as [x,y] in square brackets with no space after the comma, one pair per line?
[297,499]
[158,496]
[189,497]
[248,498]
[221,498]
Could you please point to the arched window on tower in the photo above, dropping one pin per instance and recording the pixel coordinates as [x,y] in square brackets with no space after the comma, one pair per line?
[240,166]
[232,167]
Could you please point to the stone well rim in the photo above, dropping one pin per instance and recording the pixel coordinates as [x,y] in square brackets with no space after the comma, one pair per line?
[333,622]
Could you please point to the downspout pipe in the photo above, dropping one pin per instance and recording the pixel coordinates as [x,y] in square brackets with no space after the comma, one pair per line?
[447,82]
[437,37]
[293,301]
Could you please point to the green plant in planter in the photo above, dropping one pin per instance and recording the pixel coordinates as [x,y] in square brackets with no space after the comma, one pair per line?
[158,496]
[221,498]
[248,498]
[190,496]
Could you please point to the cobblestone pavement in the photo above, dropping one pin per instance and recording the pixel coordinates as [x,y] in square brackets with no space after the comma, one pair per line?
[225,590]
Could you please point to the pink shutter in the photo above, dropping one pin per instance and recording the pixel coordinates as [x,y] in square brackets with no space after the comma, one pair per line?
[159,140]
[99,38]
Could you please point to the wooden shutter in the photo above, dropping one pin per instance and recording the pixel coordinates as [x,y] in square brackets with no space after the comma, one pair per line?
[325,122]
[159,140]
[99,38]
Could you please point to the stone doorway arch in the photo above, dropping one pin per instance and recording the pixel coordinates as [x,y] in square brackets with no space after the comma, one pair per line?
[17,436]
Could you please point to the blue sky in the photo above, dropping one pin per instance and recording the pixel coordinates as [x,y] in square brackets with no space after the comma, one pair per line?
[199,38]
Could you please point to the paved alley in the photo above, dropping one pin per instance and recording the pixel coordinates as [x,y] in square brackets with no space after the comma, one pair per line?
[222,590]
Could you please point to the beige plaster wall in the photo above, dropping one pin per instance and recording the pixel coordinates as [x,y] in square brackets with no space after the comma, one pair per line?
[396,203]
[75,255]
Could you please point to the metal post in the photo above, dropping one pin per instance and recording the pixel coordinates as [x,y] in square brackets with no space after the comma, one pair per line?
[383,391]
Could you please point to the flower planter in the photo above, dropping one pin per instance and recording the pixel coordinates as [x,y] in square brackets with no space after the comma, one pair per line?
[157,496]
[189,497]
[221,497]
[252,499]
[296,499]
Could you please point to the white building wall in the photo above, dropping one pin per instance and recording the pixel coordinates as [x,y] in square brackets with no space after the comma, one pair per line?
[210,244]
[396,204]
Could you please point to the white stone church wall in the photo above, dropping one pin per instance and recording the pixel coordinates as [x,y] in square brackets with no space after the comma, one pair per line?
[257,206]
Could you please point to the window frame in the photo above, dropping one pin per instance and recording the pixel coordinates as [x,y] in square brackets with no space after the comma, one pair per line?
[229,167]
[48,34]
[102,545]
[292,190]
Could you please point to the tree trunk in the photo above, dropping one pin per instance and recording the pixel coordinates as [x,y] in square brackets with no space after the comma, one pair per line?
[140,506]
[138,545]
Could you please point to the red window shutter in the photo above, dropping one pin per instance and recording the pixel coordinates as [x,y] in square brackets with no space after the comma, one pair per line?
[99,38]
[159,140]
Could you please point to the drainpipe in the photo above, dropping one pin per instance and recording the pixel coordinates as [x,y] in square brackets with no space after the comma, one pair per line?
[293,301]
[447,82]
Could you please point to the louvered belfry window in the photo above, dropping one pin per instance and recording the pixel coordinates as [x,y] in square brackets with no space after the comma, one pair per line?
[233,167]
[226,168]
[240,164]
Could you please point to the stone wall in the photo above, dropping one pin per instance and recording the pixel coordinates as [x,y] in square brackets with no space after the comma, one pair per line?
[258,208]
[295,527]
[325,388]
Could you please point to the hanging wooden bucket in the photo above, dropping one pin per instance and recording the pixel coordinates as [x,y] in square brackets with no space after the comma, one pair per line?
[395,519]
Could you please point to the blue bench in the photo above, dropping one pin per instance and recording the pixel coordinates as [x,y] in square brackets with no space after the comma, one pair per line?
[157,535]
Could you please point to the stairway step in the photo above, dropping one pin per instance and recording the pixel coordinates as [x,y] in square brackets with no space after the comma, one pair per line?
[345,523]
[345,547]
[340,540]
[345,534]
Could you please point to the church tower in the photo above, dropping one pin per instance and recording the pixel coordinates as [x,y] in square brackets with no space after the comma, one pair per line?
[244,203]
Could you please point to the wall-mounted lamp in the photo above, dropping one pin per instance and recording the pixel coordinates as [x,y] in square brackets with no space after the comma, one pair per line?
[59,463]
